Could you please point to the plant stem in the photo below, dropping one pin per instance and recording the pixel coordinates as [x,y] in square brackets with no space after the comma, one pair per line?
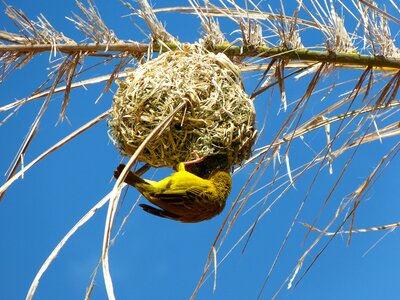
[350,60]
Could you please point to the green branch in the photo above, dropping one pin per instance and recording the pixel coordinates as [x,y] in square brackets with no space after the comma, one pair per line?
[343,59]
[350,59]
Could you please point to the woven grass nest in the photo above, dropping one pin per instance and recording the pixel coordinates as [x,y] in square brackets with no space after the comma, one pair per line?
[218,118]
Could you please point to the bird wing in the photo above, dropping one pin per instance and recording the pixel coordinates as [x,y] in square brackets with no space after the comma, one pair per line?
[188,205]
[181,195]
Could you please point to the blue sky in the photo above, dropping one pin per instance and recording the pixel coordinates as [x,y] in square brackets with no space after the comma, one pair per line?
[154,258]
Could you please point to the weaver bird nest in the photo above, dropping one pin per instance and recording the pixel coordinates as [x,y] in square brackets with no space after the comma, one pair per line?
[218,117]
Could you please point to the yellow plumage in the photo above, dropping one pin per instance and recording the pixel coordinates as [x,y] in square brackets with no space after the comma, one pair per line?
[183,196]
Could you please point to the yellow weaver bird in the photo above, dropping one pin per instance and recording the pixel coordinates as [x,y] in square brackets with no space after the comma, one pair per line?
[183,196]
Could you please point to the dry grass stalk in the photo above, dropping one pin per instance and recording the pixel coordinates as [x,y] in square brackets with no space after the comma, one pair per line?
[355,199]
[360,230]
[92,26]
[115,193]
[60,245]
[56,146]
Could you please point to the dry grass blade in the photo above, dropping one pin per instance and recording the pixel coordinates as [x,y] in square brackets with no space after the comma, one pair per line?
[12,37]
[389,91]
[382,12]
[93,27]
[265,86]
[231,250]
[94,274]
[35,32]
[264,200]
[360,192]
[344,169]
[212,32]
[115,196]
[60,245]
[320,121]
[232,12]
[12,61]
[69,77]
[378,241]
[155,26]
[89,290]
[215,268]
[115,75]
[279,73]
[388,131]
[225,223]
[19,103]
[56,146]
[62,69]
[360,230]
[299,210]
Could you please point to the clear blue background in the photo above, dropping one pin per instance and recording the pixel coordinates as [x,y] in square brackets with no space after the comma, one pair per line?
[155,258]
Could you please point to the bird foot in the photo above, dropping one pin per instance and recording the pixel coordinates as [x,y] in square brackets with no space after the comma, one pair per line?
[196,160]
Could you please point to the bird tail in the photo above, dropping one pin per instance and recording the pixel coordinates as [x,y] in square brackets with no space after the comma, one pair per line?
[131,178]
[159,212]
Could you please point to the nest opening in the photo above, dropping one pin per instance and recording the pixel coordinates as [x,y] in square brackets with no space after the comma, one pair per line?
[217,119]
